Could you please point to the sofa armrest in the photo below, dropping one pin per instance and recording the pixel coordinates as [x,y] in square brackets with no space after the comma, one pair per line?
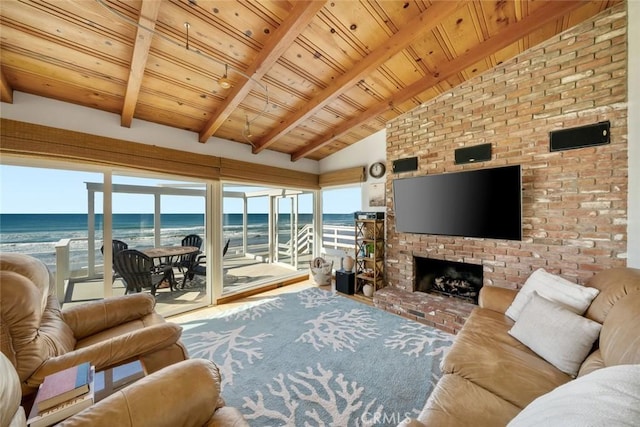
[96,316]
[112,352]
[169,397]
[496,298]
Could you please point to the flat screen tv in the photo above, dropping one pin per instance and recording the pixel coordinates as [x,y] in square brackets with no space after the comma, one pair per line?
[485,203]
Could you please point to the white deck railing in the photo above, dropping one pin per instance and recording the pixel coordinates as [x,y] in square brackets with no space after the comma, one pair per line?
[341,237]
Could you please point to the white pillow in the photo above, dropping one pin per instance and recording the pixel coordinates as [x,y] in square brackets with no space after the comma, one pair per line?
[606,397]
[556,334]
[554,288]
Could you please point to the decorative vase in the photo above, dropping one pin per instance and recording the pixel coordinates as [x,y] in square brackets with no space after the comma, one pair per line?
[348,263]
[367,290]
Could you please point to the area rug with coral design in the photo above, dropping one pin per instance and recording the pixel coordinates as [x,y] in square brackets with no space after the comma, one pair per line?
[317,358]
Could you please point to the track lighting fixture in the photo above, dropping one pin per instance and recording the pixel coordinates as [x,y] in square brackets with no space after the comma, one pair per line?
[187,26]
[223,81]
[247,130]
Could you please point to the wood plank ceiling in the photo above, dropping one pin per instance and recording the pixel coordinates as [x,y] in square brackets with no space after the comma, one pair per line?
[308,78]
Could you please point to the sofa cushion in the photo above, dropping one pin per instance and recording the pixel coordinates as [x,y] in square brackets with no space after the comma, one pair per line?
[606,397]
[620,336]
[558,335]
[485,354]
[458,402]
[614,283]
[554,288]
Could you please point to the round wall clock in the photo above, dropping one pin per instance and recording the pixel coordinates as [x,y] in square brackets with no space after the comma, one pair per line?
[377,170]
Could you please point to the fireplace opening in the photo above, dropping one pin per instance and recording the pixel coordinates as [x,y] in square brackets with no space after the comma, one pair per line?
[450,278]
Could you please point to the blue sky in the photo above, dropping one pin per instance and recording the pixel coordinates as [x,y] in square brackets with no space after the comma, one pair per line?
[38,190]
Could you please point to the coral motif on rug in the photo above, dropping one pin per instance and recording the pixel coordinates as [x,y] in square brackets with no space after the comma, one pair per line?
[318,358]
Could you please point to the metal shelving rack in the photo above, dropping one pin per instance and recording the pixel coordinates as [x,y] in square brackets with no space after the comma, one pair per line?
[369,254]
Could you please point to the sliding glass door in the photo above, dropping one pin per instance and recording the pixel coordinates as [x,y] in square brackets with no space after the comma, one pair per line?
[62,217]
[270,234]
[156,216]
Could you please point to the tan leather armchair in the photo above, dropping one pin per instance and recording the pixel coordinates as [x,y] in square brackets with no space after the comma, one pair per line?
[39,338]
[11,413]
[168,397]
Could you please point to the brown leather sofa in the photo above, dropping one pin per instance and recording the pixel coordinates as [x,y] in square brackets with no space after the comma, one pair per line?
[489,376]
[167,397]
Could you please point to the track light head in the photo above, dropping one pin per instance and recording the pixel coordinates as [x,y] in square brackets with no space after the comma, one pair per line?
[223,81]
[247,128]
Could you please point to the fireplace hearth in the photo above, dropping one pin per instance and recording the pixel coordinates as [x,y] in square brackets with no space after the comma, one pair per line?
[450,278]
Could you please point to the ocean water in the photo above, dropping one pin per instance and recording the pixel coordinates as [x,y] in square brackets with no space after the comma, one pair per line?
[37,234]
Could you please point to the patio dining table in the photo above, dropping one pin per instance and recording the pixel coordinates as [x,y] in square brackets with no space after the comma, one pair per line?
[166,255]
[168,252]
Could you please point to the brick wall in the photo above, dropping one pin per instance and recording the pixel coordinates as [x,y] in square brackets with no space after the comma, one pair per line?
[575,201]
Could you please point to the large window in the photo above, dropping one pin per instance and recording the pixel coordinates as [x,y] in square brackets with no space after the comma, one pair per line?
[39,208]
[161,213]
[58,216]
[269,233]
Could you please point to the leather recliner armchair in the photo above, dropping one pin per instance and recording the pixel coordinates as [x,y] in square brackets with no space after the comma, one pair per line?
[39,338]
[167,398]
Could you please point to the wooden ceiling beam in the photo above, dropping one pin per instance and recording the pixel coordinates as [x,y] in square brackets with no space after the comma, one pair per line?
[540,17]
[6,91]
[301,15]
[419,25]
[144,35]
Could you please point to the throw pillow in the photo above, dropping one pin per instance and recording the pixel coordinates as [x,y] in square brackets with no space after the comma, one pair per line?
[606,397]
[556,334]
[577,298]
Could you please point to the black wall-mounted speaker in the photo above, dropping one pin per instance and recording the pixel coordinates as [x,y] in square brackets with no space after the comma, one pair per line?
[477,153]
[405,165]
[580,137]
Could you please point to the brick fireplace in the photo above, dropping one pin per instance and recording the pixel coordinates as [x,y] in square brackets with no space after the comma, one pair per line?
[574,201]
[450,278]
[443,294]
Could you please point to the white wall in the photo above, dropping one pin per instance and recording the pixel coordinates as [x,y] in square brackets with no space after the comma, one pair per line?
[363,153]
[633,73]
[34,109]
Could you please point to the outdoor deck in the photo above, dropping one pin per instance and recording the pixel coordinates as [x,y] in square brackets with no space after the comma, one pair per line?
[245,269]
[240,274]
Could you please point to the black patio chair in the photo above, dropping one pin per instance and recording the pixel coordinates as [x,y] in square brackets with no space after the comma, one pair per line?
[139,272]
[185,261]
[116,247]
[199,268]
